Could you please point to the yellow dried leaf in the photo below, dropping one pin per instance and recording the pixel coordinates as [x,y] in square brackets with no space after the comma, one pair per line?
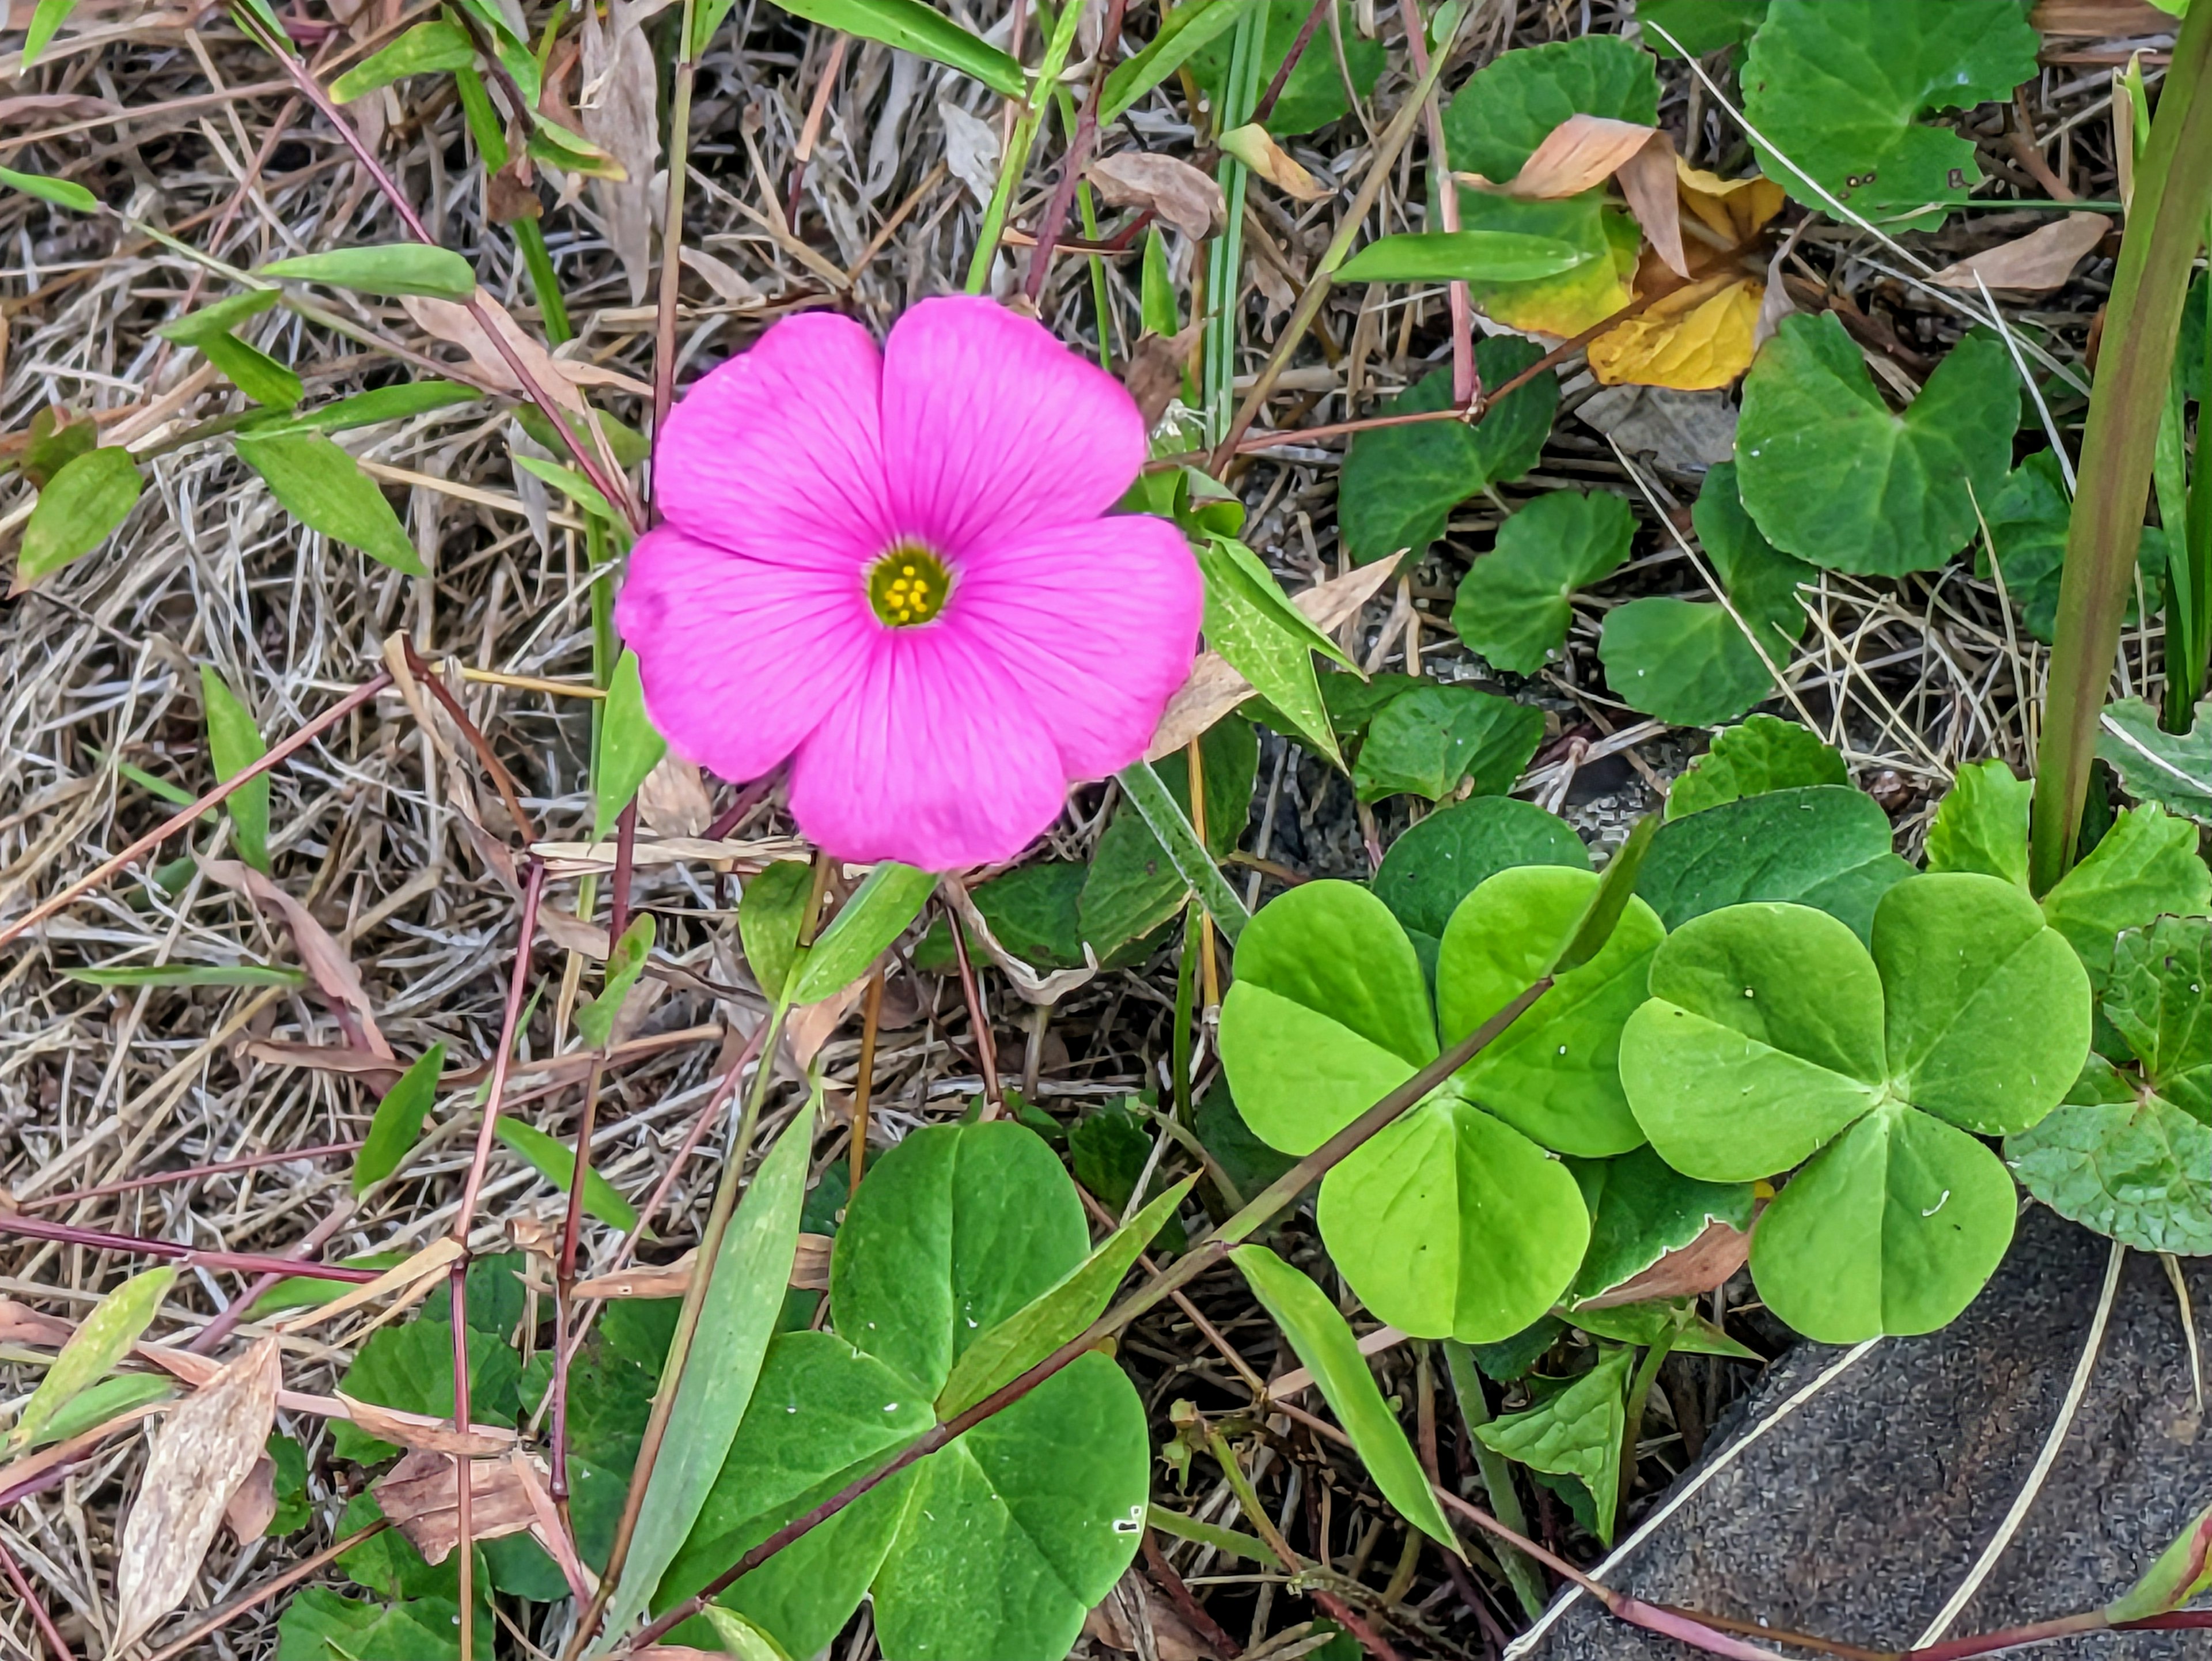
[1692,341]
[1736,209]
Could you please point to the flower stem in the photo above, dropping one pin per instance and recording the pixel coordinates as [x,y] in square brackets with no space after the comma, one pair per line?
[1017,160]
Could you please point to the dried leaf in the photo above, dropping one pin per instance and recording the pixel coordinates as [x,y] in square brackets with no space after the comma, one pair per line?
[1581,152]
[2044,258]
[1179,194]
[1735,208]
[253,1507]
[453,324]
[673,801]
[1705,1263]
[420,1432]
[1252,145]
[620,111]
[323,957]
[21,1324]
[971,149]
[202,1452]
[807,1028]
[721,277]
[1155,371]
[422,1496]
[810,1272]
[1692,340]
[430,1261]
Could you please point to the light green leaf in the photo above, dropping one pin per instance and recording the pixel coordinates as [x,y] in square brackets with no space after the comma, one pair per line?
[47,17]
[323,487]
[2137,1171]
[2145,866]
[1266,639]
[102,1402]
[740,1638]
[574,485]
[306,1291]
[1982,824]
[378,403]
[1642,1209]
[52,442]
[78,510]
[1190,855]
[769,910]
[1675,1319]
[1576,1432]
[397,1124]
[1763,755]
[102,1339]
[252,371]
[1515,603]
[2173,770]
[556,1161]
[1554,1074]
[1507,108]
[1399,484]
[219,318]
[911,26]
[1763,1038]
[1482,256]
[1432,739]
[1822,846]
[2157,1001]
[1989,1008]
[1439,862]
[1134,887]
[595,1020]
[743,1301]
[1053,1317]
[235,744]
[319,1625]
[1891,1229]
[426,49]
[1832,475]
[1325,1344]
[392,268]
[890,898]
[60,192]
[629,746]
[1839,88]
[197,974]
[1185,30]
[2184,1569]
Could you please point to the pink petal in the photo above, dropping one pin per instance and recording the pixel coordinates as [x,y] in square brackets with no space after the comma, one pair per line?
[1095,624]
[930,755]
[740,657]
[988,422]
[777,450]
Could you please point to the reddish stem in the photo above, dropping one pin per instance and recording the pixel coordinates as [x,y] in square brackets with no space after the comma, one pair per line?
[1266,107]
[464,1544]
[1079,152]
[1369,1640]
[1186,1605]
[979,1022]
[192,1173]
[47,1634]
[518,980]
[244,1262]
[313,1241]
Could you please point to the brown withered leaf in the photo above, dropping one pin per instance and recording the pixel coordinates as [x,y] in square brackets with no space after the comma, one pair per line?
[1155,371]
[253,1507]
[1256,149]
[673,799]
[422,1497]
[621,115]
[807,1028]
[1586,150]
[810,1272]
[21,1324]
[2044,258]
[1705,1263]
[202,1452]
[419,1432]
[1179,194]
[322,957]
[445,321]
[407,1279]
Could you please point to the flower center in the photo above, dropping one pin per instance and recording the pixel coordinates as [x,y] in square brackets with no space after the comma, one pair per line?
[908,587]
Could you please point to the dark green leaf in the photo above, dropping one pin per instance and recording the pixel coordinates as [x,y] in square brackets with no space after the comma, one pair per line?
[252,371]
[770,909]
[911,26]
[1429,741]
[1507,108]
[2144,866]
[1266,639]
[235,744]
[1313,96]
[629,746]
[1823,845]
[319,485]
[1642,1209]
[318,1625]
[1108,1149]
[1700,26]
[77,511]
[378,404]
[1576,1432]
[54,441]
[556,1161]
[397,1124]
[426,49]
[1675,1319]
[2172,768]
[2157,1001]
[1514,604]
[293,1509]
[395,268]
[1185,31]
[1764,755]
[630,445]
[1445,857]
[2028,522]
[1134,888]
[410,1367]
[2139,1171]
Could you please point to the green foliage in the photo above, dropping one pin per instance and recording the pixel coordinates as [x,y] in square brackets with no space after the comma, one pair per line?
[78,509]
[1773,1036]
[1690,662]
[1700,26]
[1441,860]
[410,1367]
[629,746]
[1982,824]
[1504,112]
[426,49]
[101,1340]
[1825,846]
[1763,755]
[2173,770]
[1431,740]
[323,487]
[1832,475]
[1477,256]
[626,961]
[2184,1569]
[770,908]
[235,744]
[288,1463]
[1399,484]
[2028,522]
[1134,888]
[556,1161]
[52,442]
[1514,604]
[2157,1003]
[47,17]
[1313,96]
[911,26]
[395,268]
[1108,1150]
[320,1625]
[1033,912]
[1575,1431]
[368,408]
[890,898]
[398,1123]
[60,192]
[1641,1208]
[97,1404]
[1185,32]
[1839,88]
[1251,623]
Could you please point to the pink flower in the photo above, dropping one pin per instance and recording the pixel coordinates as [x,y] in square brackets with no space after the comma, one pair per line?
[900,573]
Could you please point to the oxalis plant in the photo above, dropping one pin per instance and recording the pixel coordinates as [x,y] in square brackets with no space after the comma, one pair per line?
[914,588]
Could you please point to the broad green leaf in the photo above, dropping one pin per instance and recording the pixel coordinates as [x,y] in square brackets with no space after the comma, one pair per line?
[1449,853]
[1134,888]
[1053,1317]
[289,1478]
[1988,1008]
[319,1625]
[200,974]
[1266,639]
[890,898]
[1399,484]
[770,909]
[252,371]
[397,1124]
[220,317]
[1035,913]
[78,510]
[379,403]
[1891,1229]
[2028,522]
[1832,475]
[1763,755]
[1476,256]
[1837,88]
[1763,1038]
[595,1019]
[911,26]
[1186,30]
[1450,1223]
[60,192]
[739,1638]
[1982,824]
[1505,110]
[53,444]
[957,1229]
[744,1298]
[629,746]
[2157,1001]
[1515,603]
[1324,1343]
[2144,866]
[2173,770]
[1334,949]
[322,486]
[1554,1074]
[46,16]
[2184,1569]
[1675,1319]
[1352,702]
[102,1402]
[1641,1208]
[2138,1172]
[1298,1073]
[101,1340]
[394,268]
[556,1161]
[1700,26]
[1822,846]
[1576,1432]
[1431,740]
[426,49]
[1608,237]
[1314,94]
[410,1367]
[235,744]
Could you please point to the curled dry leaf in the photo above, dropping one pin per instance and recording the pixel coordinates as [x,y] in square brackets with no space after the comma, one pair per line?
[21,1324]
[203,1453]
[422,1497]
[1252,145]
[2044,258]
[971,149]
[453,324]
[322,957]
[1705,1263]
[419,1431]
[808,1027]
[410,1276]
[1155,371]
[724,278]
[253,1507]
[1179,194]
[621,114]
[1584,151]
